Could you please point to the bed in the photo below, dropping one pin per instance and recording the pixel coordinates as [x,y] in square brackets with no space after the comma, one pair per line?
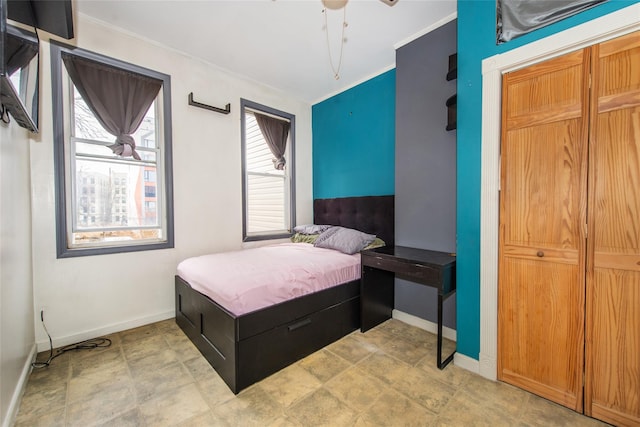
[248,347]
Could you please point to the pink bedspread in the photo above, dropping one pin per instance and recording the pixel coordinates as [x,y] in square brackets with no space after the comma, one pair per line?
[247,280]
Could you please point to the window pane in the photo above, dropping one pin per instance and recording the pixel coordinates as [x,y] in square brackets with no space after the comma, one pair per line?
[259,155]
[147,156]
[86,126]
[126,197]
[86,148]
[145,136]
[94,149]
[113,237]
[265,203]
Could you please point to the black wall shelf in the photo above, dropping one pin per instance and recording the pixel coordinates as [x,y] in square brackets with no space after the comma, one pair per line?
[225,110]
[452,102]
[453,67]
[452,112]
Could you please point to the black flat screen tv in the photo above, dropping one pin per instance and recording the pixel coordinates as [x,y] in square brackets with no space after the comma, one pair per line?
[19,72]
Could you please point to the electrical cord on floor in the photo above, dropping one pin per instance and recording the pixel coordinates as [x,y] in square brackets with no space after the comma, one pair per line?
[83,345]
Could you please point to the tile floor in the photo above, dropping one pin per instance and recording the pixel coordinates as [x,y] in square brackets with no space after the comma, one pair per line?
[153,376]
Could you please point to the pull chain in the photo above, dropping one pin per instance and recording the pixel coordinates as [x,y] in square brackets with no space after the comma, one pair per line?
[336,71]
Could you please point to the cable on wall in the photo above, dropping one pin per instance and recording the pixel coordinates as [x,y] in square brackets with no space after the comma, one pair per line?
[83,345]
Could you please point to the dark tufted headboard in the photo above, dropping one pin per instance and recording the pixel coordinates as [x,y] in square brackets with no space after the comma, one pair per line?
[370,214]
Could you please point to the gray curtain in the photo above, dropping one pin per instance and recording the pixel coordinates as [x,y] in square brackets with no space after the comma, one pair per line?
[518,17]
[118,98]
[275,132]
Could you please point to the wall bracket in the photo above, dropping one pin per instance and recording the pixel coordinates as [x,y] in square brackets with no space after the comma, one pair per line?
[226,110]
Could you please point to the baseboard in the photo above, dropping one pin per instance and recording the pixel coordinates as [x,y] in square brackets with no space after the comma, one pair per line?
[460,360]
[14,405]
[106,330]
[466,362]
[428,326]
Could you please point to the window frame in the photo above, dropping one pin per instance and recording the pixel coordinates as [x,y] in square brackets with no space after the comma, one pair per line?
[290,167]
[59,141]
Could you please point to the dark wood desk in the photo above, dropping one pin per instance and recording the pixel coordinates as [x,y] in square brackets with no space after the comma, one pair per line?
[381,265]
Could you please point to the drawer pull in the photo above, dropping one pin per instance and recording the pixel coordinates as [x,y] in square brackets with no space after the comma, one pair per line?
[540,254]
[299,324]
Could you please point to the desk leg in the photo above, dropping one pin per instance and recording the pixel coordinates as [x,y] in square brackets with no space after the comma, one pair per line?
[376,297]
[441,364]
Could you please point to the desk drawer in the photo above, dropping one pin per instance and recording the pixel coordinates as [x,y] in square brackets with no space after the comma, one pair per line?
[379,262]
[422,274]
[412,271]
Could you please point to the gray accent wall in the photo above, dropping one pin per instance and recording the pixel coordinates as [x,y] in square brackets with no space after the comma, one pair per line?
[425,168]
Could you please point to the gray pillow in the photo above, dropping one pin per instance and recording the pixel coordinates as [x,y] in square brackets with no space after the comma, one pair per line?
[311,228]
[344,240]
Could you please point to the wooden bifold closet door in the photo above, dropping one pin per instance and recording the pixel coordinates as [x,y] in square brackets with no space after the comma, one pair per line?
[569,244]
[612,389]
[542,216]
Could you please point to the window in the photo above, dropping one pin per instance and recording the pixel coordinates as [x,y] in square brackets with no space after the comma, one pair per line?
[117,181]
[149,191]
[149,176]
[268,193]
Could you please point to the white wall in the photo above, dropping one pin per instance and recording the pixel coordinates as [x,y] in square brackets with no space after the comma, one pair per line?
[85,297]
[16,283]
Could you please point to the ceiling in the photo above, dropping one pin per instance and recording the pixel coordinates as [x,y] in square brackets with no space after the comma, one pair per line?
[280,43]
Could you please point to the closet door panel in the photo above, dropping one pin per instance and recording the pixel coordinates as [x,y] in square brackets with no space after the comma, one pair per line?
[541,194]
[542,226]
[614,347]
[543,357]
[612,389]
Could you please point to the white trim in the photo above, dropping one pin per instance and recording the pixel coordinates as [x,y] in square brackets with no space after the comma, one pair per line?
[489,196]
[106,330]
[427,30]
[466,362]
[14,405]
[595,31]
[428,326]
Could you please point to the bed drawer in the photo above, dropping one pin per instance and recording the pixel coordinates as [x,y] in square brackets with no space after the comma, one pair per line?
[210,329]
[272,350]
[290,311]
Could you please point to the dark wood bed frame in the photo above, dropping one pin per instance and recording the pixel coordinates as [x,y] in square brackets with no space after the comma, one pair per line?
[245,349]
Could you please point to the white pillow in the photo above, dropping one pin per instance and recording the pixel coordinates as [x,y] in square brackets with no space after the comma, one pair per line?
[344,240]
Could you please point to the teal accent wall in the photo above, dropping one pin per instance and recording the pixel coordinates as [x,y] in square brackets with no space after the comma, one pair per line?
[354,140]
[477,41]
